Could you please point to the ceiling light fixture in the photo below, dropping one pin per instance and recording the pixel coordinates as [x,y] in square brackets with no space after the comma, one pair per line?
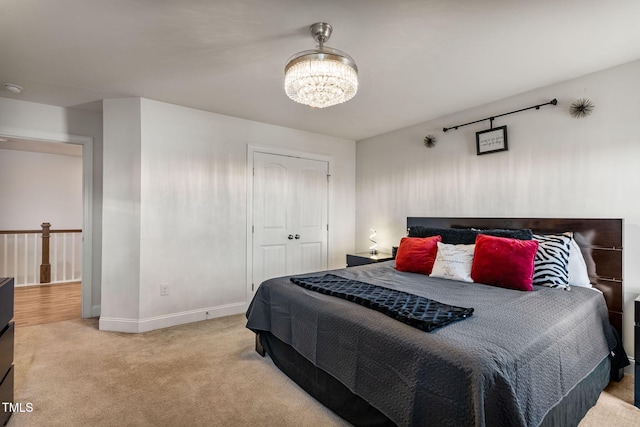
[321,77]
[13,88]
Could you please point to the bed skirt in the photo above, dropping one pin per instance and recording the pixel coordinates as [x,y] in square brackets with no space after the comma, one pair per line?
[337,397]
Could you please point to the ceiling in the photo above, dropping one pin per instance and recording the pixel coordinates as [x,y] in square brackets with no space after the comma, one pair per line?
[417,59]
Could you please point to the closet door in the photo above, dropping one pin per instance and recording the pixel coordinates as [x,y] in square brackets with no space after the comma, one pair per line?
[290,200]
[309,221]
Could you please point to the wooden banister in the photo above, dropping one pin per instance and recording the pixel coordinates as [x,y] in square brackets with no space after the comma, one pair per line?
[68,230]
[45,267]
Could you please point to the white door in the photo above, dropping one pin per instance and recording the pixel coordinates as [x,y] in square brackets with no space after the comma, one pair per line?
[290,200]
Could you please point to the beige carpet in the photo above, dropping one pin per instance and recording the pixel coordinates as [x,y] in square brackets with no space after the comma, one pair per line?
[201,374]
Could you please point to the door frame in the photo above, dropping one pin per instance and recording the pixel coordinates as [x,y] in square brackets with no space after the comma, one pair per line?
[87,199]
[279,151]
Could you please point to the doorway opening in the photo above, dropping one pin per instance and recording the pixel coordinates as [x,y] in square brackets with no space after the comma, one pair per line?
[37,143]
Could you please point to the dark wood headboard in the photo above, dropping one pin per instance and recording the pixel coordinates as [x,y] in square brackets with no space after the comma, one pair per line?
[599,239]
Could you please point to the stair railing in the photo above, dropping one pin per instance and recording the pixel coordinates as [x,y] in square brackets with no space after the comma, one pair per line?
[41,256]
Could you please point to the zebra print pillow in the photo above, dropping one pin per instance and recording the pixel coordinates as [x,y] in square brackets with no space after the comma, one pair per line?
[550,266]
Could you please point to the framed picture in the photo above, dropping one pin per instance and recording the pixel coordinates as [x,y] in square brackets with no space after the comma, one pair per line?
[491,140]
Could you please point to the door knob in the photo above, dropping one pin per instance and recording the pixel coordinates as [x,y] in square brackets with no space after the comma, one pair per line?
[297,236]
[290,237]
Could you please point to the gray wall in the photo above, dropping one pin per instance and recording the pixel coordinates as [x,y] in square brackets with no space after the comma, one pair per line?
[40,187]
[175,210]
[556,166]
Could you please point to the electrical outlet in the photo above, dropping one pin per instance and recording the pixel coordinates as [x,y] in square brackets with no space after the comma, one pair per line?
[164,289]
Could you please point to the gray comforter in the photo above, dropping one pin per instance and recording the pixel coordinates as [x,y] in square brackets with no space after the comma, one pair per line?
[507,365]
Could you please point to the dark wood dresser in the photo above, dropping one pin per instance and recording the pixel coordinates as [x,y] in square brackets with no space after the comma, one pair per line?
[636,351]
[6,347]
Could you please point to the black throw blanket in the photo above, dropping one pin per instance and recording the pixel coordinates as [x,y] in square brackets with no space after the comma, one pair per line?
[414,310]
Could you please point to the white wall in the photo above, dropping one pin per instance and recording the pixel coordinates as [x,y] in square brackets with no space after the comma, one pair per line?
[121,210]
[40,187]
[556,166]
[47,122]
[193,209]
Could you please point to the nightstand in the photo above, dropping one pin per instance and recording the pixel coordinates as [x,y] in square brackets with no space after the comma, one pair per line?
[636,351]
[362,258]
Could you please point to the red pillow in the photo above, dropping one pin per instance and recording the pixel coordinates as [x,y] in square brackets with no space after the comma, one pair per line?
[504,262]
[417,255]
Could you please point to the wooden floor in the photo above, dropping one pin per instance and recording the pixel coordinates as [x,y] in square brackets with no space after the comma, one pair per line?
[34,305]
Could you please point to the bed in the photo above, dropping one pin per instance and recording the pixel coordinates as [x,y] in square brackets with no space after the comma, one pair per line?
[521,358]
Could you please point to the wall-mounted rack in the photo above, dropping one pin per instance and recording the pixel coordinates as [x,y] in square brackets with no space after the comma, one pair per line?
[492,118]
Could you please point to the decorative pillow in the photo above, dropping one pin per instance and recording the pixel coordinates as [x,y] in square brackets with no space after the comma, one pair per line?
[552,260]
[453,262]
[578,275]
[466,236]
[521,234]
[417,255]
[504,262]
[450,236]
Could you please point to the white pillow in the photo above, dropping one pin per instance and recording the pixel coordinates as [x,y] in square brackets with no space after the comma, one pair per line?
[453,262]
[578,275]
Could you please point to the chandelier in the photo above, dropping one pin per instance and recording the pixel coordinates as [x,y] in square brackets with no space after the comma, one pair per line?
[321,77]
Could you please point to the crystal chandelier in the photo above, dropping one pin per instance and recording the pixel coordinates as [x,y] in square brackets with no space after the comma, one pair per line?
[321,77]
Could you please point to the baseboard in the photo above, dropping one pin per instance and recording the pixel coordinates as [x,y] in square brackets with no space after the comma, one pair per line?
[115,324]
[173,319]
[95,311]
[629,370]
